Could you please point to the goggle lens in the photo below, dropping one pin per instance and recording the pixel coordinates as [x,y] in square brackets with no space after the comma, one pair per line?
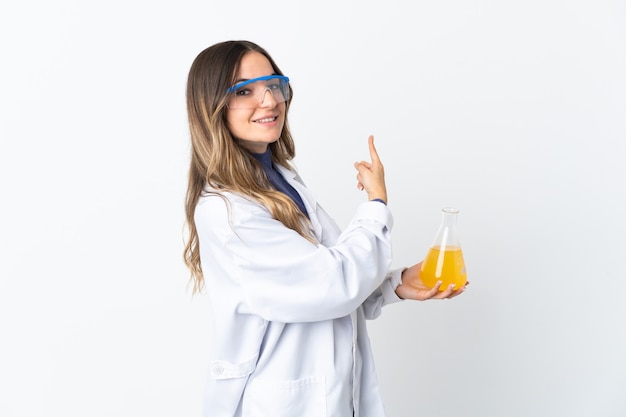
[250,94]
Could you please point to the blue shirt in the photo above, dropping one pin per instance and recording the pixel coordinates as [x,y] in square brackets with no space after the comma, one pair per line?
[277,180]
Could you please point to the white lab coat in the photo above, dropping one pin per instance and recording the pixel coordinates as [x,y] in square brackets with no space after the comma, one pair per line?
[289,332]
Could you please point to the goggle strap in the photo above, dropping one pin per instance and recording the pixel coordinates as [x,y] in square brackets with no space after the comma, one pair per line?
[263,78]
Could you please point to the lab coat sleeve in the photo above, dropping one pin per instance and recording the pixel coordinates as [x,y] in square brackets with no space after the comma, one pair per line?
[279,275]
[383,295]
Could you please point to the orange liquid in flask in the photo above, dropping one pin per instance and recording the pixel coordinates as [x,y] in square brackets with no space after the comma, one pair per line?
[445,265]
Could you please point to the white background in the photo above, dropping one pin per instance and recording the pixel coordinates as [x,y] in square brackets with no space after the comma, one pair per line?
[513,112]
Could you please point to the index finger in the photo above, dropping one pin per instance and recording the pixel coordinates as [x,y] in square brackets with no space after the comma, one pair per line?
[373,153]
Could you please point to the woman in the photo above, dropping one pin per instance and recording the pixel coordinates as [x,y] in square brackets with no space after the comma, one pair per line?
[289,291]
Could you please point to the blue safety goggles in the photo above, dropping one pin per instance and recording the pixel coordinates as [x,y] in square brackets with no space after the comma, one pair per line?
[252,93]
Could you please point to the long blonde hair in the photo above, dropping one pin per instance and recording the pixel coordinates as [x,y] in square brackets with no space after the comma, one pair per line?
[217,159]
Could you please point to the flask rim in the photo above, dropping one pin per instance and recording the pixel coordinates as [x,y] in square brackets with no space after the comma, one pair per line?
[450,210]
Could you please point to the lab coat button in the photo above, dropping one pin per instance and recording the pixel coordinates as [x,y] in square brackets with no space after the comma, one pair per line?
[218,370]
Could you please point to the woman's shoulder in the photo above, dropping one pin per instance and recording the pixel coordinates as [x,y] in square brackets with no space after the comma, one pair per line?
[219,215]
[217,205]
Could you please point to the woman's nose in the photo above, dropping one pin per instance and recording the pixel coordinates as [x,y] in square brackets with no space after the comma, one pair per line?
[268,99]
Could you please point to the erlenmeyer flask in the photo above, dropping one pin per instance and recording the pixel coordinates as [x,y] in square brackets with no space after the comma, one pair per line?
[444,260]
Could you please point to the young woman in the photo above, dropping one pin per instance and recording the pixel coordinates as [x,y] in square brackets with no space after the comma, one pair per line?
[289,291]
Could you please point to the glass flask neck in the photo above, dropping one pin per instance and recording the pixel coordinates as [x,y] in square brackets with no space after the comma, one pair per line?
[448,237]
[449,216]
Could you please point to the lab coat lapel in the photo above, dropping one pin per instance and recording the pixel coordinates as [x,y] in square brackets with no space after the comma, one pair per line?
[310,202]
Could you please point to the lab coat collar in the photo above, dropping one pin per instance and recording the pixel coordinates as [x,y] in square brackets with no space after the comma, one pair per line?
[310,202]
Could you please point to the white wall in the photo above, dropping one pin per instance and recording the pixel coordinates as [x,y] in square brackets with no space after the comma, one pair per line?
[514,112]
